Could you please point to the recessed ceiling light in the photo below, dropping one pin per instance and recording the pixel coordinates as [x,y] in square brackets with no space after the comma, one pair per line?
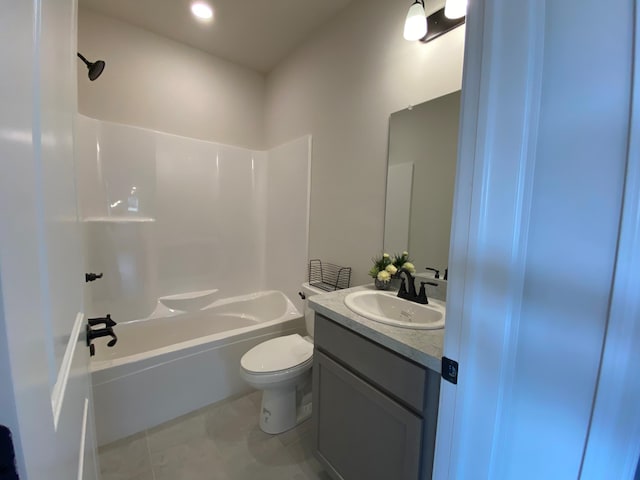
[202,10]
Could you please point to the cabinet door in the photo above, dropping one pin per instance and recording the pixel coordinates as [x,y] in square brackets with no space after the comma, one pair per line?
[360,433]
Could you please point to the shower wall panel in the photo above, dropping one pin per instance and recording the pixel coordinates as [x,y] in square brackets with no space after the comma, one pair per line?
[287,228]
[225,217]
[210,219]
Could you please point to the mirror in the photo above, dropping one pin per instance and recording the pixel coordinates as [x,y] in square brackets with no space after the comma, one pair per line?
[423,144]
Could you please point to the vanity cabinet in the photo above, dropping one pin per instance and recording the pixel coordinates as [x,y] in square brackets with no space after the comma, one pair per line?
[374,411]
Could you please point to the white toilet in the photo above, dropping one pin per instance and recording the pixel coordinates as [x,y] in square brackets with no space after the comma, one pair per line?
[281,367]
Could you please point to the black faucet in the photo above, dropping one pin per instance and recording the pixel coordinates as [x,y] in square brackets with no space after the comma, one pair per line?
[107,331]
[411,294]
[437,272]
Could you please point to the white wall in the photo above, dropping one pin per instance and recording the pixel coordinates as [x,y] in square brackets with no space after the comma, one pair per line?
[341,86]
[153,82]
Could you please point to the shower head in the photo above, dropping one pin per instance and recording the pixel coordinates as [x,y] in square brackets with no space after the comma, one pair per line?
[95,68]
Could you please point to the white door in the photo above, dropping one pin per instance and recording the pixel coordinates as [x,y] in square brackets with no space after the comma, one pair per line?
[543,309]
[45,391]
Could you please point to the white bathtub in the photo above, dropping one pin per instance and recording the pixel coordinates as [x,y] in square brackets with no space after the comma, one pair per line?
[173,363]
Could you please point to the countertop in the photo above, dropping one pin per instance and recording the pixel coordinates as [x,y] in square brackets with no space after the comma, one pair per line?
[422,346]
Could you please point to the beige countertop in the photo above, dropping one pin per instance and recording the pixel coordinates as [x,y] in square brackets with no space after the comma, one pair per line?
[422,346]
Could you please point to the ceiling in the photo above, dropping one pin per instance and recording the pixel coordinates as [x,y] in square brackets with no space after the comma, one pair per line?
[254,33]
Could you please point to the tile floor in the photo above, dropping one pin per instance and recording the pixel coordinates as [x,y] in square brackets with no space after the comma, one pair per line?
[219,442]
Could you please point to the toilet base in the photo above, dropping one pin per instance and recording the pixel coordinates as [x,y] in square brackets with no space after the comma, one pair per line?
[278,410]
[284,408]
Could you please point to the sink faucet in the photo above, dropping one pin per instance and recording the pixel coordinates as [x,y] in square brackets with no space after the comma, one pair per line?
[402,292]
[411,295]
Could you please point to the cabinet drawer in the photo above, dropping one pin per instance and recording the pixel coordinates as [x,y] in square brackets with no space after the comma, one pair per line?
[399,377]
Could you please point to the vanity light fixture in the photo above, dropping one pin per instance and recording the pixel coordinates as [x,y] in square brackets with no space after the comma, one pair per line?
[455,9]
[415,26]
[202,10]
[419,27]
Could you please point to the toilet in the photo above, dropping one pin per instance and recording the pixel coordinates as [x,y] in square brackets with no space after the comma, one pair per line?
[281,368]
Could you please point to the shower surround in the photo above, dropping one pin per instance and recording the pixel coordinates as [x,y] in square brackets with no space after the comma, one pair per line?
[168,215]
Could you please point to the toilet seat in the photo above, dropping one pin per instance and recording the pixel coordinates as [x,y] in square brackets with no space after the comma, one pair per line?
[278,355]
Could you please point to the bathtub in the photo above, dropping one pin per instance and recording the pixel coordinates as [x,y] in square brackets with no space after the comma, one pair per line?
[175,362]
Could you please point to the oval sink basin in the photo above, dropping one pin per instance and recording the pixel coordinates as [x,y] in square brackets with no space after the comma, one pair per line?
[385,307]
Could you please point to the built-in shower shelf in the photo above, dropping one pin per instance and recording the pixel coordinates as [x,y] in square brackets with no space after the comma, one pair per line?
[119,219]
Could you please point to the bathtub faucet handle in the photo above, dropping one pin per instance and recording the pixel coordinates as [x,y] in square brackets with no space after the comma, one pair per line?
[92,277]
[108,323]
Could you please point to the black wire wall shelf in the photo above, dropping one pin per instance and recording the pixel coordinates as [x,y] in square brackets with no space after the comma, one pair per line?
[327,276]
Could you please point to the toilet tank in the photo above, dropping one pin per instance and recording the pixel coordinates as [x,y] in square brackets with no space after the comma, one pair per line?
[309,291]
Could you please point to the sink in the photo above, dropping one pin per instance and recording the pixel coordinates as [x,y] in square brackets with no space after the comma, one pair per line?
[386,307]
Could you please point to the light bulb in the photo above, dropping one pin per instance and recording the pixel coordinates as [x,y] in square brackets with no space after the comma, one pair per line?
[201,10]
[455,8]
[415,26]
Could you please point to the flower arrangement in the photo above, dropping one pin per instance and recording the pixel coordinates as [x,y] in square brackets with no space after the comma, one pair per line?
[386,267]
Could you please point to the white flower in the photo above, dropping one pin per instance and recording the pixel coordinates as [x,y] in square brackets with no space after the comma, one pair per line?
[383,276]
[385,255]
[409,266]
[405,254]
[391,269]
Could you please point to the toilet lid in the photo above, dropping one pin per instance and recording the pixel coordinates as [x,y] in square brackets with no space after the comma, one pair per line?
[277,354]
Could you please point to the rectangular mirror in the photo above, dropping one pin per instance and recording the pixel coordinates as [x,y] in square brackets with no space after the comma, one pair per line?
[423,145]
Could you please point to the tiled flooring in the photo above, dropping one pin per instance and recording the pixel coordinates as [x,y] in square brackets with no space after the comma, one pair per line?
[219,442]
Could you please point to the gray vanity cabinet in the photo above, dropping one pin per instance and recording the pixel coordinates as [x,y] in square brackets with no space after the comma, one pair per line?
[374,411]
